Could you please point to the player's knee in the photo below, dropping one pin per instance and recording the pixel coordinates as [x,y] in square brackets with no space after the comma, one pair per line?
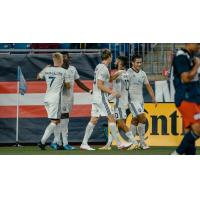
[134,121]
[142,119]
[196,128]
[94,121]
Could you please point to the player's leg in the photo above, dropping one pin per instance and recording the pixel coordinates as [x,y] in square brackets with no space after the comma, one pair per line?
[88,132]
[134,124]
[57,139]
[141,130]
[190,112]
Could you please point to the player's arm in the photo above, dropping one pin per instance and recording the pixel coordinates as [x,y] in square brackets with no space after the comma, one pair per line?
[67,85]
[186,77]
[40,75]
[103,88]
[83,86]
[116,75]
[151,92]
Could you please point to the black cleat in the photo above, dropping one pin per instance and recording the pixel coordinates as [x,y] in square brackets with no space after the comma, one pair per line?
[60,147]
[41,146]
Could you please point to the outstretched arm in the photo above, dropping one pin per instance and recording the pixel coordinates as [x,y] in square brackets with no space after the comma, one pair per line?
[82,86]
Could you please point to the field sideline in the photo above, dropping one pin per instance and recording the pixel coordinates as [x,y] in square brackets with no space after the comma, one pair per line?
[34,150]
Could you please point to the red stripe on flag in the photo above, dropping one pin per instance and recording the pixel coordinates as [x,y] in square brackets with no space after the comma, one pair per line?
[40,112]
[35,87]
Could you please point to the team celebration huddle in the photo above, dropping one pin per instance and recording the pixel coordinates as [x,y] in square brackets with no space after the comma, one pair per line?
[113,94]
[124,88]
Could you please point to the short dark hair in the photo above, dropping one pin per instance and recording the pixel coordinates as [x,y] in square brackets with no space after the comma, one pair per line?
[105,54]
[123,59]
[136,56]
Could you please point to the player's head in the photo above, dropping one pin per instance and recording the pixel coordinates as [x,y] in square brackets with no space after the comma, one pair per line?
[136,62]
[121,62]
[193,47]
[66,60]
[57,59]
[106,56]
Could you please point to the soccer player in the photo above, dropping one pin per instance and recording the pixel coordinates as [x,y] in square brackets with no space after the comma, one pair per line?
[186,72]
[67,103]
[138,78]
[121,86]
[100,104]
[55,77]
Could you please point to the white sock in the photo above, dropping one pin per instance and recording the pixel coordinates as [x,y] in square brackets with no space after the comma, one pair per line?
[114,132]
[48,131]
[88,133]
[57,132]
[64,130]
[141,132]
[131,137]
[133,129]
[110,139]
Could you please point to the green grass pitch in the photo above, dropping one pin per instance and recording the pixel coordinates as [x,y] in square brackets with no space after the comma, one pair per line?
[34,150]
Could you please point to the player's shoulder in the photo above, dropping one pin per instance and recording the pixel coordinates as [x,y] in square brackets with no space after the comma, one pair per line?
[143,72]
[129,71]
[72,67]
[182,53]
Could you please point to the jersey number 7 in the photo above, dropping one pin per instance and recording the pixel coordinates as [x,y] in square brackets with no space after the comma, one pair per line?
[52,79]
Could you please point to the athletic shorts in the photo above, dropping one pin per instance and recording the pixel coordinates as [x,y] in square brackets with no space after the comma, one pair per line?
[53,110]
[136,108]
[190,112]
[103,109]
[120,113]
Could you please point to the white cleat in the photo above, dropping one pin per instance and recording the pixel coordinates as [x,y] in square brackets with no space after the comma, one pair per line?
[134,147]
[144,146]
[125,145]
[107,148]
[86,147]
[174,153]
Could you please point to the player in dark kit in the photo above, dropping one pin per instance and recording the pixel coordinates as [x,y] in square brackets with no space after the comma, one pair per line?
[186,71]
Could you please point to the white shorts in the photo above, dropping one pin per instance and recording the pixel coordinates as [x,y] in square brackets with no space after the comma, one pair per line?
[120,113]
[67,107]
[101,109]
[136,108]
[53,110]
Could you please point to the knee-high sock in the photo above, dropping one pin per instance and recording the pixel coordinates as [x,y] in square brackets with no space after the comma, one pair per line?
[141,132]
[64,130]
[88,132]
[110,139]
[114,132]
[57,133]
[131,137]
[48,131]
[187,144]
[133,129]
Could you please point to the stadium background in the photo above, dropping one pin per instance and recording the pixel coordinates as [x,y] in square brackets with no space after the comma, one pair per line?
[33,57]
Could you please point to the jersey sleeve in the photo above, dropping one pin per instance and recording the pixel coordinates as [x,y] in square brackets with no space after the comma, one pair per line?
[103,74]
[42,73]
[181,64]
[76,75]
[146,81]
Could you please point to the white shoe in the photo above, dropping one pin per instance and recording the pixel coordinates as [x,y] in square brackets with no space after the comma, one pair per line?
[125,145]
[86,147]
[134,147]
[144,146]
[108,148]
[174,153]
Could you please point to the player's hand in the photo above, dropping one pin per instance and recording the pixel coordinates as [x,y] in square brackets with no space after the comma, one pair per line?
[196,61]
[120,72]
[115,94]
[154,101]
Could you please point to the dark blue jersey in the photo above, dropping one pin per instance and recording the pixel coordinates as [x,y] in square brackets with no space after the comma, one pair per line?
[183,62]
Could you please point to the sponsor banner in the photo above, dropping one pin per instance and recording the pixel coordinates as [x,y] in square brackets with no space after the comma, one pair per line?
[164,125]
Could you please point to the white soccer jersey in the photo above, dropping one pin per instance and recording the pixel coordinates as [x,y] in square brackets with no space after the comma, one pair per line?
[55,78]
[121,86]
[101,73]
[136,82]
[68,95]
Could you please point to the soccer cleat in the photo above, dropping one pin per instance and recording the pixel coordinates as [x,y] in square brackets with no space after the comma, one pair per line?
[174,153]
[41,146]
[54,146]
[125,145]
[68,147]
[144,146]
[134,147]
[106,147]
[86,147]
